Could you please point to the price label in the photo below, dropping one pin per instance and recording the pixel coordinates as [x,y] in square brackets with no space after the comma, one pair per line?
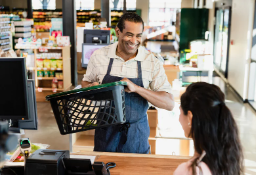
[40,89]
[58,68]
[38,68]
[52,68]
[54,90]
[45,68]
[39,78]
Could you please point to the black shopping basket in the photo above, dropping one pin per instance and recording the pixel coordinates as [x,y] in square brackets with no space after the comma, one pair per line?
[89,108]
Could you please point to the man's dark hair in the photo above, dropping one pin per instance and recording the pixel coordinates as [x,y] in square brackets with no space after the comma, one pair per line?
[132,17]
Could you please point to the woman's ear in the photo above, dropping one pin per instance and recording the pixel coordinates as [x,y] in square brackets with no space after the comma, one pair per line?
[190,116]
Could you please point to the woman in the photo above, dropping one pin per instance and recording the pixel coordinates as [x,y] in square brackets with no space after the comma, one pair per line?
[206,119]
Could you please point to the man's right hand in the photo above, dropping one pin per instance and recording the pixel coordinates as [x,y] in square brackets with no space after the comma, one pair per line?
[86,84]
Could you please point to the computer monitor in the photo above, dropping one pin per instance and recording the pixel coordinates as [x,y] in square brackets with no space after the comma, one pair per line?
[13,89]
[96,36]
[87,51]
[31,123]
[17,94]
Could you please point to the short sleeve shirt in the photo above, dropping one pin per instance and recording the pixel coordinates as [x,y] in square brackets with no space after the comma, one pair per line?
[153,73]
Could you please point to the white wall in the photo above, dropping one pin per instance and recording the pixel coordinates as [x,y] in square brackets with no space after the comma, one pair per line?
[187,4]
[239,53]
[144,6]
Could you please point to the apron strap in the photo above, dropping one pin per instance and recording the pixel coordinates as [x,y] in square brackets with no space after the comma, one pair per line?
[110,65]
[139,70]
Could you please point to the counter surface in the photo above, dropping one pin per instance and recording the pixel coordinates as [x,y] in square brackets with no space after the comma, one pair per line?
[138,164]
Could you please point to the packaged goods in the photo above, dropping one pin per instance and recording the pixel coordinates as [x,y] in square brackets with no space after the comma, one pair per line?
[53,64]
[51,73]
[60,84]
[40,73]
[46,73]
[47,64]
[59,64]
[40,63]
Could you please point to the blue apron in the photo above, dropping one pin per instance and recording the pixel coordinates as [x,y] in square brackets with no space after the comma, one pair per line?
[131,137]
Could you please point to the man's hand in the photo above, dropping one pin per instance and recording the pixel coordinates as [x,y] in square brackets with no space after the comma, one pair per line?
[160,99]
[93,84]
[86,84]
[131,87]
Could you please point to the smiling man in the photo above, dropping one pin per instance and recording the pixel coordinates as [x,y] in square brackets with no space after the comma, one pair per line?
[146,81]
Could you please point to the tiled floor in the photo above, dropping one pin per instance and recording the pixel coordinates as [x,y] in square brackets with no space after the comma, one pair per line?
[48,132]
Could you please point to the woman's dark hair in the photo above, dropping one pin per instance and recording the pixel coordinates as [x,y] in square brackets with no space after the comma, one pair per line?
[132,17]
[213,129]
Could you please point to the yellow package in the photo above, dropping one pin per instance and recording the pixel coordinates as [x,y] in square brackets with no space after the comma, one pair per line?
[47,64]
[59,64]
[40,63]
[53,64]
[61,75]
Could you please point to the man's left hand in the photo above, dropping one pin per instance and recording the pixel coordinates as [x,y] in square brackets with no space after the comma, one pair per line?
[131,87]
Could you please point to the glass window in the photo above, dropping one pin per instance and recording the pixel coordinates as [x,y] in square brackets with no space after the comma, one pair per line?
[84,4]
[163,12]
[44,4]
[119,4]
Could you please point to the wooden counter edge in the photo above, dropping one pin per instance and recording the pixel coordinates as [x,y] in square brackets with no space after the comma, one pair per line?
[94,153]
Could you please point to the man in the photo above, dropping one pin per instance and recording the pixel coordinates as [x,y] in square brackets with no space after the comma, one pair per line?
[146,82]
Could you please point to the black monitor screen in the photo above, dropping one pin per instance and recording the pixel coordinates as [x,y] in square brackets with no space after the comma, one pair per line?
[13,89]
[96,36]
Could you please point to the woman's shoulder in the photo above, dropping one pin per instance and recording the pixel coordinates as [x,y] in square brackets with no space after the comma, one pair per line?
[185,169]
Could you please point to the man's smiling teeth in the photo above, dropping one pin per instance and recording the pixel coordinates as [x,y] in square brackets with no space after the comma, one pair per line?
[131,45]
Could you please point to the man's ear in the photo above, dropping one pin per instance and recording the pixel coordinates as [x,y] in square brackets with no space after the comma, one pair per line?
[117,31]
[190,116]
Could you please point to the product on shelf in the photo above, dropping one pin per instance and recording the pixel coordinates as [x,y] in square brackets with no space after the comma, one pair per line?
[47,64]
[60,84]
[51,73]
[54,84]
[5,35]
[40,63]
[59,75]
[40,73]
[53,64]
[59,64]
[46,73]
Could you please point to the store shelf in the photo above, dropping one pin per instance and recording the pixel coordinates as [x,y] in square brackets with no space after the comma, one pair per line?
[48,89]
[49,69]
[48,78]
[53,58]
[4,22]
[5,27]
[6,49]
[47,47]
[5,37]
[4,43]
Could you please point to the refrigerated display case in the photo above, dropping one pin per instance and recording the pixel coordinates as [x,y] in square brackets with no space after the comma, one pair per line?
[222,39]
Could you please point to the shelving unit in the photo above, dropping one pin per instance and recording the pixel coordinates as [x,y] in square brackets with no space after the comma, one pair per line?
[5,34]
[22,30]
[44,84]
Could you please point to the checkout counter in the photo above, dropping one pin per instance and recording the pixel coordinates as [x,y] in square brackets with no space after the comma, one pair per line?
[138,164]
